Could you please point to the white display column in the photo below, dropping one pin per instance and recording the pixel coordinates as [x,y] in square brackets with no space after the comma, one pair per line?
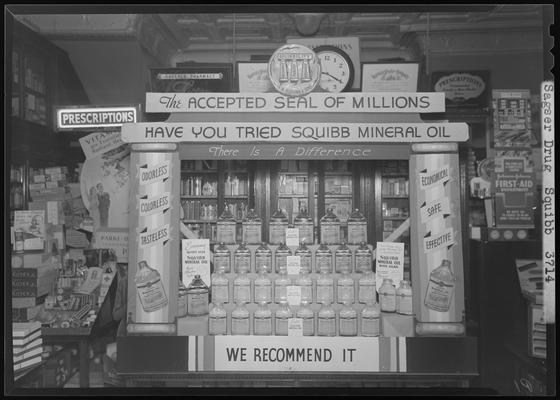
[154,238]
[436,243]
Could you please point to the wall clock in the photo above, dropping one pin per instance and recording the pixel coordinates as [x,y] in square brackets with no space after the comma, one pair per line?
[337,69]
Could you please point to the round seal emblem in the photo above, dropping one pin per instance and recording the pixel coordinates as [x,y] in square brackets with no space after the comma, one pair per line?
[294,70]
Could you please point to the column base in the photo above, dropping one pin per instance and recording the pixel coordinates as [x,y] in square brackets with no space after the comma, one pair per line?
[440,329]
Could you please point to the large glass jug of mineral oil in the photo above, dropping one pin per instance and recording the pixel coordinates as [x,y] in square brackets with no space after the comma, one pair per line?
[357,227]
[197,297]
[305,225]
[222,257]
[305,254]
[225,227]
[263,258]
[252,228]
[281,257]
[330,228]
[277,227]
[343,259]
[242,258]
[363,257]
[323,259]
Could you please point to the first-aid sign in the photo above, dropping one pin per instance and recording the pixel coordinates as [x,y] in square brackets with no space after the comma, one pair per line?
[278,353]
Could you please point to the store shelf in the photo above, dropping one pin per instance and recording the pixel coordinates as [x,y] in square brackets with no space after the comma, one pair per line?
[395,218]
[394,197]
[236,196]
[293,196]
[199,172]
[199,221]
[199,197]
[338,196]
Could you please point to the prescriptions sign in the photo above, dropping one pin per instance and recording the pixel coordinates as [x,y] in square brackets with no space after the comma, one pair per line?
[98,117]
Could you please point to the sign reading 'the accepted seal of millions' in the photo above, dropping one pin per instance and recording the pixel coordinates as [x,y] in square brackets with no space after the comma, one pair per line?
[294,70]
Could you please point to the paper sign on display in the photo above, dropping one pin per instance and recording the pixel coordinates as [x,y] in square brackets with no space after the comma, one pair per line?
[295,326]
[93,280]
[282,353]
[196,260]
[293,294]
[293,264]
[389,263]
[115,239]
[98,143]
[437,208]
[292,237]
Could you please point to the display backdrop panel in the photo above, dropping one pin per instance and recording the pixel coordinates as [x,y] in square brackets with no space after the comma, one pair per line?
[154,238]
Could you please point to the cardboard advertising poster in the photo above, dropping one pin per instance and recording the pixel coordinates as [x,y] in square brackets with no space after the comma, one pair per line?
[104,179]
[513,185]
[153,266]
[196,260]
[463,89]
[436,243]
[32,223]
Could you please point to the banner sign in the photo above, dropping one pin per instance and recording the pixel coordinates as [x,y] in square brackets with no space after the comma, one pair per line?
[270,132]
[275,151]
[375,102]
[98,117]
[283,353]
[196,260]
[514,188]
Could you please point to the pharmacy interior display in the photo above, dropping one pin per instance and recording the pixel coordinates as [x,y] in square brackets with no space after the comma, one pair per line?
[295,231]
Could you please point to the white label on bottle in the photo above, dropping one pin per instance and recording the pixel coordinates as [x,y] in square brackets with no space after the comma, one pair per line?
[281,262]
[242,292]
[293,265]
[363,263]
[326,326]
[239,326]
[217,325]
[404,304]
[325,293]
[263,293]
[280,293]
[348,326]
[295,326]
[263,325]
[292,237]
[324,263]
[221,261]
[366,292]
[388,302]
[293,294]
[263,259]
[345,292]
[370,326]
[281,326]
[220,293]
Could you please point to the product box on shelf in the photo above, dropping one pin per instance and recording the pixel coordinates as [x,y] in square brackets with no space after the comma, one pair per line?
[25,314]
[33,282]
[537,331]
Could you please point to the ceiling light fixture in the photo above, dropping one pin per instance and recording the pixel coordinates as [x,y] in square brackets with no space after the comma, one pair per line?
[307,24]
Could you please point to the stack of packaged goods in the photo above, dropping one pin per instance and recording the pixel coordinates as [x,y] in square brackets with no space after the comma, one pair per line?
[28,346]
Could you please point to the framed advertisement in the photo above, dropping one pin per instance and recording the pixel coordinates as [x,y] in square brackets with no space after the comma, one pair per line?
[252,77]
[464,89]
[193,78]
[390,77]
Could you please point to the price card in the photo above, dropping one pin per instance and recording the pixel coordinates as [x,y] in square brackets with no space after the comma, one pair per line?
[292,237]
[293,293]
[295,326]
[293,264]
